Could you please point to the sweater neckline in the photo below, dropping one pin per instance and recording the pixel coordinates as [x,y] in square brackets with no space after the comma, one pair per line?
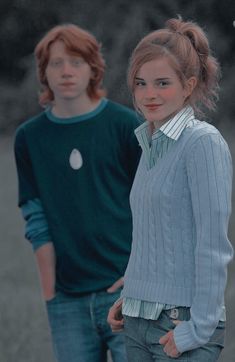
[76,119]
[167,158]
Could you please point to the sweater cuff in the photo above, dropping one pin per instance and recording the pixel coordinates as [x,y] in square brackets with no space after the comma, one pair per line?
[186,338]
[37,243]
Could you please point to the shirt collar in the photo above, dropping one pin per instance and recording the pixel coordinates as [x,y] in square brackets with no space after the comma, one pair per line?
[175,126]
[172,128]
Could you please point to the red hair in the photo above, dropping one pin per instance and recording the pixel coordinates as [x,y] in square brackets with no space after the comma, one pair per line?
[77,42]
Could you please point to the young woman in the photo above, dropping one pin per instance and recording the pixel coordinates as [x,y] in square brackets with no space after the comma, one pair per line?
[173,296]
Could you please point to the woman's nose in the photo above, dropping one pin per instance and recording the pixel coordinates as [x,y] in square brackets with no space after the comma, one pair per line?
[150,92]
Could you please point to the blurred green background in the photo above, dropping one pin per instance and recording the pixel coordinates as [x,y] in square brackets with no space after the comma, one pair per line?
[118,25]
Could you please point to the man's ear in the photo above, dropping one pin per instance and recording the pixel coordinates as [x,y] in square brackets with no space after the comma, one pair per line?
[93,74]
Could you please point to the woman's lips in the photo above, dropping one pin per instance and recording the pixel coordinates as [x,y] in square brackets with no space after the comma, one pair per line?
[152,107]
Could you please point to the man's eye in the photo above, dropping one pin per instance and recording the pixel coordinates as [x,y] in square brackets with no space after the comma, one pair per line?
[77,62]
[56,63]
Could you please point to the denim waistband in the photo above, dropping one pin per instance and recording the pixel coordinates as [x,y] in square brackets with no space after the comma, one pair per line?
[181,313]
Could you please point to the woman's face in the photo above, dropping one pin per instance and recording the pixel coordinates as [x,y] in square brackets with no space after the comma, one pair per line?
[158,91]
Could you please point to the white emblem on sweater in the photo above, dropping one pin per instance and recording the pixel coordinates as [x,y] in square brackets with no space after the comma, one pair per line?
[75,159]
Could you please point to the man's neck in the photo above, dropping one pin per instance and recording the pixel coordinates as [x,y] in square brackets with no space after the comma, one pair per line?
[72,108]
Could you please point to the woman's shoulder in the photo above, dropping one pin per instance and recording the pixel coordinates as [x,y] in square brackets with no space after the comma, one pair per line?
[202,131]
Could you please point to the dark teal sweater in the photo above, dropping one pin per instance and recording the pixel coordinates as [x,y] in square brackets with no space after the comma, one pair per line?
[87,210]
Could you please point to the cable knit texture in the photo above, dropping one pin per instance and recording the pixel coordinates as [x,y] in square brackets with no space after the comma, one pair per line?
[180,249]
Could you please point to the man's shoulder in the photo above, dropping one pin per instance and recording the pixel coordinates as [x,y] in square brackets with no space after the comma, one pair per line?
[122,113]
[31,123]
[30,128]
[34,120]
[113,106]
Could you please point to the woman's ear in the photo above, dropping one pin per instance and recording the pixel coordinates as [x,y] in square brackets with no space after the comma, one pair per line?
[190,85]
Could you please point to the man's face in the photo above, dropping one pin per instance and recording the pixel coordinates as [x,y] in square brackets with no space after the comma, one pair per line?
[68,75]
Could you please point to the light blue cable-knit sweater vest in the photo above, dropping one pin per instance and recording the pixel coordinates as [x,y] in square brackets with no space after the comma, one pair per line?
[180,249]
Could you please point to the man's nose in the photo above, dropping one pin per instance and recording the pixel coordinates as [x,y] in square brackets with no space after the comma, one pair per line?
[67,69]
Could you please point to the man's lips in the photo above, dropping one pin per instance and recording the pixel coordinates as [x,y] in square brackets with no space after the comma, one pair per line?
[67,84]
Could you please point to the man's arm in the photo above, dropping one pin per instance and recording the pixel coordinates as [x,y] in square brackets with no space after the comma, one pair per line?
[46,260]
[37,232]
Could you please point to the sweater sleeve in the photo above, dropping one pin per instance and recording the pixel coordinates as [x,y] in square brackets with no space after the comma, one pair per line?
[36,228]
[27,186]
[209,169]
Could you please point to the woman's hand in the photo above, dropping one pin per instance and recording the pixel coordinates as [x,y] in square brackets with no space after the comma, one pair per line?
[115,317]
[169,343]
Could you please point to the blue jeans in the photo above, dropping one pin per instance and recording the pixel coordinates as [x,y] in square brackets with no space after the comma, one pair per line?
[142,338]
[80,331]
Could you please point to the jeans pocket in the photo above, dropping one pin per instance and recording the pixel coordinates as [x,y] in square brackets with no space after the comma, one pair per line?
[52,300]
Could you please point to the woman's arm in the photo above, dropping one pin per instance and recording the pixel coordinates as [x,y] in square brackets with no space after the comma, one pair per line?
[209,169]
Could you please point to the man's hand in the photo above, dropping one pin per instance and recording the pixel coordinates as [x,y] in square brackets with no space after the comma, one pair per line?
[169,345]
[115,317]
[118,284]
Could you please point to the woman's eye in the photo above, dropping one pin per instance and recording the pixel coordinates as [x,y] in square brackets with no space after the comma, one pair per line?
[139,83]
[163,84]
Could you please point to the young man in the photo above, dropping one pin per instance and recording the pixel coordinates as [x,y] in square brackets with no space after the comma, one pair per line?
[76,162]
